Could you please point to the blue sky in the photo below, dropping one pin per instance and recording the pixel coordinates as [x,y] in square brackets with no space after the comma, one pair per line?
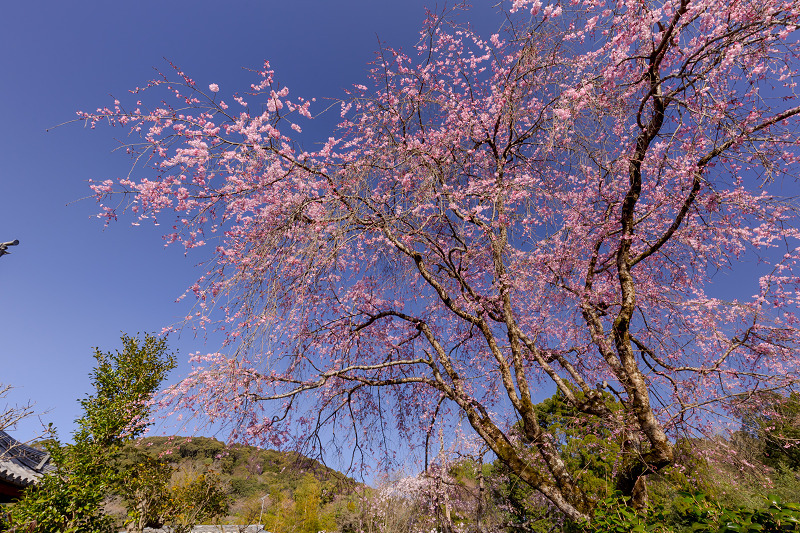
[72,284]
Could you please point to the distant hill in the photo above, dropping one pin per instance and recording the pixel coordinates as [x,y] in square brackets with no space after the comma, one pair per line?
[250,474]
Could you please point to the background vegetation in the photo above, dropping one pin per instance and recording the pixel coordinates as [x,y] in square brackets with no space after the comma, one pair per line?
[110,478]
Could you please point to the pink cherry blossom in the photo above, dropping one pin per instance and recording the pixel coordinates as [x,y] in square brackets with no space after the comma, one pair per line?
[492,221]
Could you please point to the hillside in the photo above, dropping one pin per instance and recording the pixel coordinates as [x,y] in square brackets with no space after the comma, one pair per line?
[292,486]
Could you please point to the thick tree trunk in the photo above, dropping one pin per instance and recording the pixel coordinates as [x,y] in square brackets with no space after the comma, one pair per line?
[634,487]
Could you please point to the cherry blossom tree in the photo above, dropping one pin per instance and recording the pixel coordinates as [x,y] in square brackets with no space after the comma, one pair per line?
[495,218]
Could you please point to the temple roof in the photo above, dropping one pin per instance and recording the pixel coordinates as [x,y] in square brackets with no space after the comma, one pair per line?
[21,464]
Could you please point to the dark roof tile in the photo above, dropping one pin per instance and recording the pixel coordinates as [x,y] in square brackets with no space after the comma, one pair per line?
[21,464]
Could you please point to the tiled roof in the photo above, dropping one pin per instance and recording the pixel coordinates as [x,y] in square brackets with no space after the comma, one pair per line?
[20,464]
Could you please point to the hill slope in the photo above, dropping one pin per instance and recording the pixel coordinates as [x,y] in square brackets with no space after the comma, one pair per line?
[290,486]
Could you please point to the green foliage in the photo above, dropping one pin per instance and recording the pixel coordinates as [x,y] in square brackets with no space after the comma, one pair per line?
[584,441]
[157,492]
[307,500]
[707,490]
[586,445]
[248,474]
[521,507]
[144,491]
[71,500]
[124,381]
[194,499]
[775,421]
[612,514]
[691,512]
[302,511]
[244,487]
[161,480]
[269,468]
[699,514]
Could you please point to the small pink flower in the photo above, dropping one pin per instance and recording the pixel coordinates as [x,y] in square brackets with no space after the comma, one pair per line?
[214,88]
[563,114]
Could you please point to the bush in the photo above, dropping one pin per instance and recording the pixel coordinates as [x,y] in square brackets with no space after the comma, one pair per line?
[691,512]
[243,487]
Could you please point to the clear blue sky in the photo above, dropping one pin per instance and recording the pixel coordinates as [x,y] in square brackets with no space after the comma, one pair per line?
[71,284]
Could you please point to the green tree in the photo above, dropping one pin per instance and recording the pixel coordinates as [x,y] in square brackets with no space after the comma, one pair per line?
[777,425]
[71,500]
[585,442]
[193,499]
[588,448]
[307,501]
[144,491]
[124,382]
